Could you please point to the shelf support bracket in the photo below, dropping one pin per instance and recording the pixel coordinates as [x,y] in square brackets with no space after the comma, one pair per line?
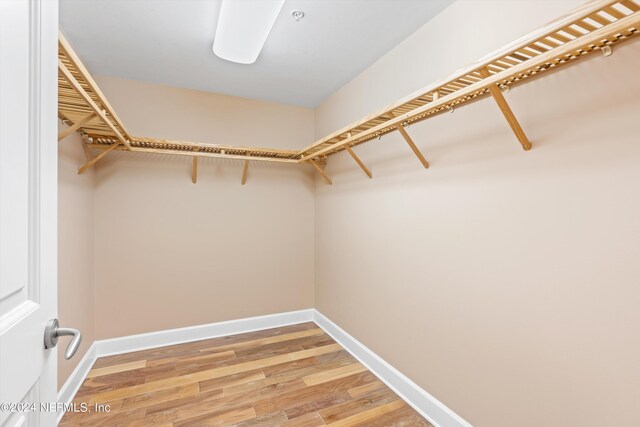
[413,146]
[78,88]
[194,170]
[245,172]
[74,127]
[506,111]
[97,158]
[321,172]
[358,161]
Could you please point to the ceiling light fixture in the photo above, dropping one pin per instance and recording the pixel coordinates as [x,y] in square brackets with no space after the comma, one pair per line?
[297,14]
[243,27]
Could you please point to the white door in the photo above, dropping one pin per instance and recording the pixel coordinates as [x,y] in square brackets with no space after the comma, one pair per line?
[28,209]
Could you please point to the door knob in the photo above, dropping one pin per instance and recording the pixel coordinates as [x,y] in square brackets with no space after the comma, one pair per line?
[53,330]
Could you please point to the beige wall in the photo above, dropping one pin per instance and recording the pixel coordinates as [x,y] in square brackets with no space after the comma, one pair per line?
[75,250]
[170,253]
[504,283]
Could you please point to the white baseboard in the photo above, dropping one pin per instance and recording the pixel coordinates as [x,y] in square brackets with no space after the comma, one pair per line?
[73,383]
[149,340]
[428,406]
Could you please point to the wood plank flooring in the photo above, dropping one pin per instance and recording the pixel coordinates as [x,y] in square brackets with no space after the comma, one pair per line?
[290,376]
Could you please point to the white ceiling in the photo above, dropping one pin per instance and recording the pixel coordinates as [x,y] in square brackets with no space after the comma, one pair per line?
[170,42]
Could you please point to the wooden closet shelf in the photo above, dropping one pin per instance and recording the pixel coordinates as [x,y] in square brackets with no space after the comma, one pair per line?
[593,28]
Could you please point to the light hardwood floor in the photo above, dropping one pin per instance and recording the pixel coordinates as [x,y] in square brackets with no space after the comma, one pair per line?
[291,376]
